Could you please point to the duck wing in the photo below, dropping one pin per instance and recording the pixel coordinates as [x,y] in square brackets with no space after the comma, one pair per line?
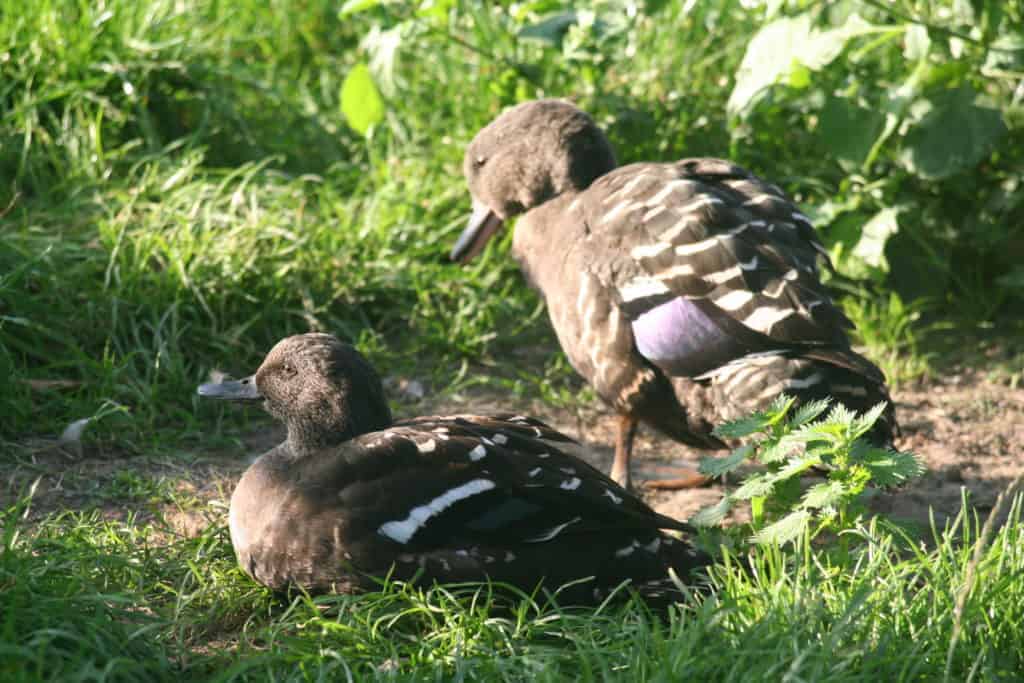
[709,263]
[497,481]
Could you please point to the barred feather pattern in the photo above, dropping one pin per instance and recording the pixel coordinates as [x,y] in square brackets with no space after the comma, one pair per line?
[688,292]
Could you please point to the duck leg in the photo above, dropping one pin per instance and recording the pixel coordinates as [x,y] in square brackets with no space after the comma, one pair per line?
[625,432]
[687,479]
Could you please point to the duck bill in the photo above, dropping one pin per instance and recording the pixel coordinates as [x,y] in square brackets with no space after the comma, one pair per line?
[231,390]
[483,223]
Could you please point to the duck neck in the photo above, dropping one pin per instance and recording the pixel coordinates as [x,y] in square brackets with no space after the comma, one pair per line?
[334,423]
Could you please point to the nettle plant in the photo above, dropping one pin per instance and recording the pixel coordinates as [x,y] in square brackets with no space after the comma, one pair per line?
[782,509]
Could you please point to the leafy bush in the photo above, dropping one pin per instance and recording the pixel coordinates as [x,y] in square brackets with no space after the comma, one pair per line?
[910,113]
[782,511]
[898,125]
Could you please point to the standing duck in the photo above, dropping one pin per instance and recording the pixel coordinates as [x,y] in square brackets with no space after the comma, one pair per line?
[351,496]
[686,293]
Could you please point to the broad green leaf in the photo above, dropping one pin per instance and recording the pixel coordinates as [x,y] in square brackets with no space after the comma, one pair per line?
[874,235]
[916,42]
[712,514]
[551,30]
[787,529]
[953,136]
[822,47]
[354,6]
[769,57]
[360,101]
[849,131]
[716,467]
[779,49]
[435,9]
[1008,54]
[1013,279]
[382,47]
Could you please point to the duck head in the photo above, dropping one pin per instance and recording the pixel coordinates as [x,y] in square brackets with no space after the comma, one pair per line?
[324,391]
[531,153]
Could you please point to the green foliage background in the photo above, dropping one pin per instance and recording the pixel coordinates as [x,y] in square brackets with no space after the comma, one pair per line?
[186,182]
[183,182]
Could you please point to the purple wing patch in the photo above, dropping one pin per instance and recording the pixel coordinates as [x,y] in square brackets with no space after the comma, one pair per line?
[682,340]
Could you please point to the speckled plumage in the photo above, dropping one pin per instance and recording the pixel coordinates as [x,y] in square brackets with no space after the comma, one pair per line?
[686,293]
[351,496]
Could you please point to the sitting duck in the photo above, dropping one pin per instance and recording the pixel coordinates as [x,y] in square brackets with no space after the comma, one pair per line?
[685,293]
[352,496]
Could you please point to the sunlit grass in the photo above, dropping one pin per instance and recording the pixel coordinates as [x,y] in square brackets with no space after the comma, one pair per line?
[181,190]
[121,600]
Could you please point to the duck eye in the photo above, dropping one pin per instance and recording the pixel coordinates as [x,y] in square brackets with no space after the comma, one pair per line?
[480,161]
[288,369]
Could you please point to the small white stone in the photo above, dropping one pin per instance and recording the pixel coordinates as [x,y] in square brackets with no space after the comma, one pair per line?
[477,453]
[500,439]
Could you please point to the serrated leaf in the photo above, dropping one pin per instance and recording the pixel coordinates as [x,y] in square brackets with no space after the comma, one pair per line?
[799,466]
[787,529]
[891,468]
[361,103]
[866,421]
[876,232]
[827,494]
[829,432]
[779,407]
[712,514]
[755,485]
[953,136]
[809,411]
[840,416]
[716,467]
[743,427]
[849,131]
[777,451]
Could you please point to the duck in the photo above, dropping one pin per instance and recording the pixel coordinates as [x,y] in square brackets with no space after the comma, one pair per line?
[351,495]
[686,293]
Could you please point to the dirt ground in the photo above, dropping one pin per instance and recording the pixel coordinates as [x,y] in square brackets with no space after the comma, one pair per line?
[967,427]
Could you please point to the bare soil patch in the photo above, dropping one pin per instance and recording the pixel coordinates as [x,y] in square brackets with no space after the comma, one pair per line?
[967,427]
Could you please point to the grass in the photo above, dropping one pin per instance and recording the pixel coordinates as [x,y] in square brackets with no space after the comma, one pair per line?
[180,190]
[89,598]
